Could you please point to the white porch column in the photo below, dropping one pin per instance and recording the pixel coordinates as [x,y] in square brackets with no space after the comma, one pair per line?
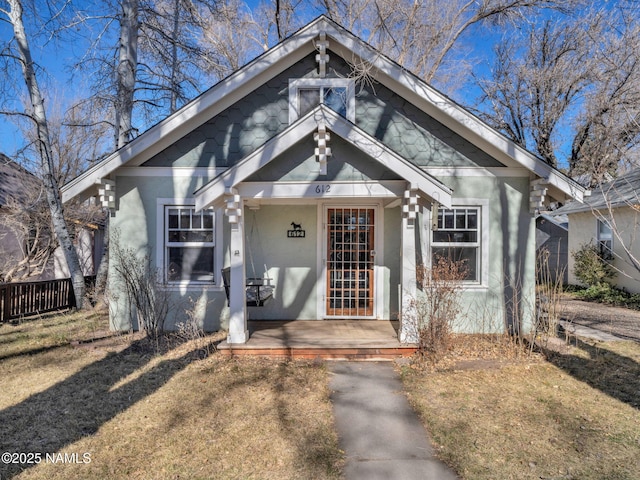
[238,331]
[408,321]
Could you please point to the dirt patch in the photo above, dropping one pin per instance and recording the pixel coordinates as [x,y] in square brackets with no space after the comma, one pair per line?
[619,321]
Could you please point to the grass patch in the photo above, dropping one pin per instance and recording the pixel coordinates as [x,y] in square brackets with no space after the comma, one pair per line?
[574,416]
[142,414]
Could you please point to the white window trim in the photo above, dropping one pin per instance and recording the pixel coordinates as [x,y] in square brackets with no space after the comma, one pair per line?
[161,205]
[298,83]
[483,235]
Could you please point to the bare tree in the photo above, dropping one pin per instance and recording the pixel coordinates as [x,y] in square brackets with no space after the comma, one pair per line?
[35,109]
[570,91]
[537,80]
[125,71]
[608,129]
[423,36]
[160,63]
[232,37]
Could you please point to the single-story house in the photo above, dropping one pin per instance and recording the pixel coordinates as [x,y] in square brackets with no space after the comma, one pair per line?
[610,219]
[331,172]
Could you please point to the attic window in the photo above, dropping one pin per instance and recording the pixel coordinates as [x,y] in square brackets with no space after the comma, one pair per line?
[307,93]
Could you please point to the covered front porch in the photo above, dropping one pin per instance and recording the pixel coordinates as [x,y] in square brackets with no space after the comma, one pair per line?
[337,270]
[325,339]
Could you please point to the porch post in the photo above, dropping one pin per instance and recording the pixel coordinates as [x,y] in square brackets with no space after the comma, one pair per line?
[408,321]
[238,331]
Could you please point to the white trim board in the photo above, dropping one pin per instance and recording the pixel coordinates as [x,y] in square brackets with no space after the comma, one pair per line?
[321,190]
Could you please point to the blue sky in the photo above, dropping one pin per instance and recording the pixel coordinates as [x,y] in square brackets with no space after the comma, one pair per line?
[55,79]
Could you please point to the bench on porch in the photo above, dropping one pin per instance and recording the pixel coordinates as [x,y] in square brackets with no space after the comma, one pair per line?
[258,293]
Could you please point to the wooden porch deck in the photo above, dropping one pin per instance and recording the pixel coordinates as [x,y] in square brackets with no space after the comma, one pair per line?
[324,339]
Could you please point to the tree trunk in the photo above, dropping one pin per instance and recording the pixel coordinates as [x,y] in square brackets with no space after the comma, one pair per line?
[44,149]
[126,72]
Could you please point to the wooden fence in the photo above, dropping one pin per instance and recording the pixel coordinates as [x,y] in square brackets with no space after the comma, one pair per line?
[23,299]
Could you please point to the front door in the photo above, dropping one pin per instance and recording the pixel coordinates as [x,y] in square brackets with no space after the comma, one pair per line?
[350,261]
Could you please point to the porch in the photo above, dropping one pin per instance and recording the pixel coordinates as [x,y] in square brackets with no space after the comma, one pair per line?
[325,339]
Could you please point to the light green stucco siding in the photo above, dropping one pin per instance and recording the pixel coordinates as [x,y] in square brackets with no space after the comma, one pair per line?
[135,226]
[290,263]
[294,264]
[509,257]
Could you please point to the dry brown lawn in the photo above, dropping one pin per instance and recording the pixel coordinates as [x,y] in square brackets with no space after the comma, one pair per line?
[119,410]
[573,416]
[70,388]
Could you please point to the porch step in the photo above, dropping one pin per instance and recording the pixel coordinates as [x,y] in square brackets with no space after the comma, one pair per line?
[322,339]
[324,353]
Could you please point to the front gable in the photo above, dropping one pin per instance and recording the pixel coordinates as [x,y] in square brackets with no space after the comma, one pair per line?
[347,164]
[265,112]
[241,113]
[267,161]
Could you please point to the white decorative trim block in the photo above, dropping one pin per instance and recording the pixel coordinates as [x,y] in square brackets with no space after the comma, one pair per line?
[107,193]
[322,151]
[537,195]
[322,57]
[233,209]
[410,205]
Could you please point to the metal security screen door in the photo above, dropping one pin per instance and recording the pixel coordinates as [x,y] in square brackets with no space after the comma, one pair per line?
[350,258]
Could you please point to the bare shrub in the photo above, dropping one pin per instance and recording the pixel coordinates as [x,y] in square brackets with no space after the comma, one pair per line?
[138,279]
[191,330]
[438,304]
[548,294]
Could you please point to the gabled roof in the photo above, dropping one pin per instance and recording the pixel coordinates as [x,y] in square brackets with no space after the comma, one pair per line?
[15,181]
[336,124]
[621,192]
[285,54]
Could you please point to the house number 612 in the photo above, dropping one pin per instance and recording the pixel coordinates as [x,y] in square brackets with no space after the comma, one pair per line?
[323,188]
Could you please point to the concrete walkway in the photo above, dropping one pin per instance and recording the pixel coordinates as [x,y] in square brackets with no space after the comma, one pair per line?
[575,329]
[377,428]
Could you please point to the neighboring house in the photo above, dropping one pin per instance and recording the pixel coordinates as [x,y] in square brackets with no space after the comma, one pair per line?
[20,187]
[17,187]
[552,248]
[332,184]
[610,219]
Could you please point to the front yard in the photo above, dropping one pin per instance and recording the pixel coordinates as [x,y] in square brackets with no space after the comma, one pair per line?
[120,411]
[575,416]
[113,408]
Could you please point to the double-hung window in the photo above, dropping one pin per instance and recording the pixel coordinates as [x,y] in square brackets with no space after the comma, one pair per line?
[457,238]
[307,93]
[189,245]
[605,240]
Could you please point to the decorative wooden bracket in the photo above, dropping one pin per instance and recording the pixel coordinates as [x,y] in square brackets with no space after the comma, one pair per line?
[410,205]
[322,151]
[322,57]
[537,195]
[107,193]
[234,205]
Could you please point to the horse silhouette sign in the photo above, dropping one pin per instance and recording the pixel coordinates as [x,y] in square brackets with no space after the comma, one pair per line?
[296,231]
